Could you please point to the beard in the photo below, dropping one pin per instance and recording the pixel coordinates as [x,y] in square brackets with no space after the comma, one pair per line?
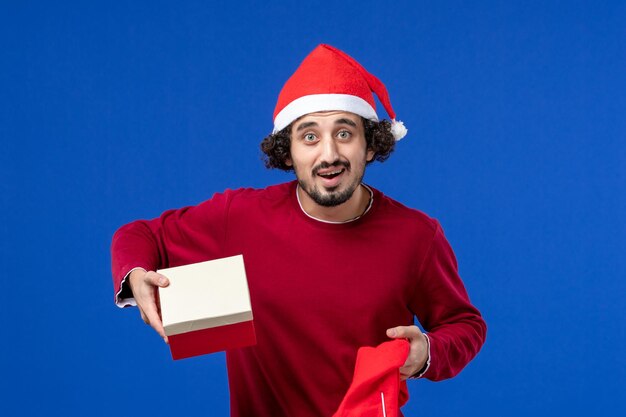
[332,197]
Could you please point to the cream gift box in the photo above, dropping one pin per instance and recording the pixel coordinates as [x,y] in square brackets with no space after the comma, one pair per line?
[206,308]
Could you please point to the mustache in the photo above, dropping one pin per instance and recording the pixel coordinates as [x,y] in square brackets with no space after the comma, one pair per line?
[326,165]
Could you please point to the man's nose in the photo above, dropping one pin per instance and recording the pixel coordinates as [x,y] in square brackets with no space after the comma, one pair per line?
[330,153]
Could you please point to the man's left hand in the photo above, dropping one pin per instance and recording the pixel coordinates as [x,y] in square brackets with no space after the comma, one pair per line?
[418,353]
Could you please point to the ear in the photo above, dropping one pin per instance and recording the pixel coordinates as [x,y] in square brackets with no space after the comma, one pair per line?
[370,155]
[289,162]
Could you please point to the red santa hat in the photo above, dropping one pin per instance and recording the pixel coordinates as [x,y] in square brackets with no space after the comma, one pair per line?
[376,389]
[329,79]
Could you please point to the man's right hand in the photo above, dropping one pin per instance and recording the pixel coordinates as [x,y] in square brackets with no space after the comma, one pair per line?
[144,287]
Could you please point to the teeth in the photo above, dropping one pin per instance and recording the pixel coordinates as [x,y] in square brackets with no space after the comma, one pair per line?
[328,174]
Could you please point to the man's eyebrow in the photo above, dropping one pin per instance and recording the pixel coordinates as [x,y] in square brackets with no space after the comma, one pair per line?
[342,121]
[346,122]
[305,125]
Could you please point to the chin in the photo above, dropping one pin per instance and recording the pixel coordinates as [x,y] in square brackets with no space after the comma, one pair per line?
[330,198]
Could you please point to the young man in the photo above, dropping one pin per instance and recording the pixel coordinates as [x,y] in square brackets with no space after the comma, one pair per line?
[332,264]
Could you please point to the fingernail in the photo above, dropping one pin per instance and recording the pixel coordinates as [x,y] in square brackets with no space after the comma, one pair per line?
[161,281]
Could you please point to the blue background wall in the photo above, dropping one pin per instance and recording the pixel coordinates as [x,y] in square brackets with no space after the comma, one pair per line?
[517,125]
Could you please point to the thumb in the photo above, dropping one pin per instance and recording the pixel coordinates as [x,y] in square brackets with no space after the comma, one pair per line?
[156,279]
[396,332]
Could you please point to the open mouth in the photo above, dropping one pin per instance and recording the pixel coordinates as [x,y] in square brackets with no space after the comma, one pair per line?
[331,174]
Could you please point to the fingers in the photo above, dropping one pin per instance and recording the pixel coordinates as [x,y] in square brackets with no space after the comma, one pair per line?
[406,372]
[155,321]
[418,351]
[153,314]
[144,286]
[150,316]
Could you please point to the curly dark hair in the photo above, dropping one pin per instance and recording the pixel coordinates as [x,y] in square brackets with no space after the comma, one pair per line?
[276,147]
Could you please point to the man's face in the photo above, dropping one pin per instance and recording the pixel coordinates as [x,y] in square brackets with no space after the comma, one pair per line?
[328,154]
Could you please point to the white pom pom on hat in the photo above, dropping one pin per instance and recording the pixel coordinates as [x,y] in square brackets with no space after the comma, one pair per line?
[329,79]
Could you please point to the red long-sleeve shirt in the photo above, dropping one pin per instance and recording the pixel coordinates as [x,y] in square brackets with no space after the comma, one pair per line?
[319,291]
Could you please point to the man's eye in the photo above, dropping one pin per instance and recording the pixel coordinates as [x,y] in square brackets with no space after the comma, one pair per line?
[309,137]
[344,134]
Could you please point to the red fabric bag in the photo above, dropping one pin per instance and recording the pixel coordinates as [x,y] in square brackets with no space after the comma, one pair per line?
[376,389]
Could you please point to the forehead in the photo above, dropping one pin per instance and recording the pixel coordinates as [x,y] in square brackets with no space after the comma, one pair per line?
[327,117]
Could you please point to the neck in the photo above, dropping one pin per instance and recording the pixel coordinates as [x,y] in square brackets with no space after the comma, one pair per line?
[350,210]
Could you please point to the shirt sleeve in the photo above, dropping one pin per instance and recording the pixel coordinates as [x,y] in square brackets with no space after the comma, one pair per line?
[456,329]
[177,237]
